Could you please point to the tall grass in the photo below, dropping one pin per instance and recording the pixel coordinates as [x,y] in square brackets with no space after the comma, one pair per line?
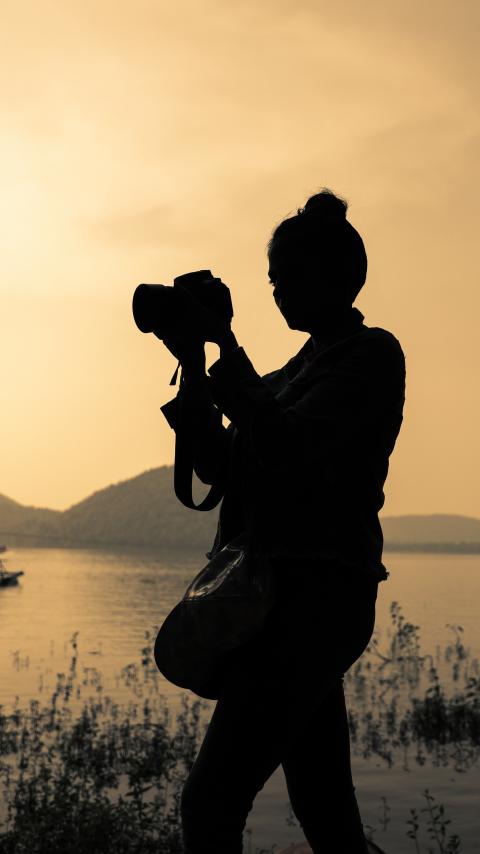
[85,774]
[82,774]
[404,702]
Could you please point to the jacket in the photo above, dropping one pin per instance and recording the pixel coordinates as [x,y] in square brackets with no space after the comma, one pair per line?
[305,458]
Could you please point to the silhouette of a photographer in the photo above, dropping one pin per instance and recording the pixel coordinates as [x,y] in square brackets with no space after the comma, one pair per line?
[303,464]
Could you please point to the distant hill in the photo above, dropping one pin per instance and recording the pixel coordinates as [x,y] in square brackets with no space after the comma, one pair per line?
[144,511]
[430,532]
[141,511]
[31,521]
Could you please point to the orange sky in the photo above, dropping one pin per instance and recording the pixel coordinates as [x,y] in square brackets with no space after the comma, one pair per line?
[140,140]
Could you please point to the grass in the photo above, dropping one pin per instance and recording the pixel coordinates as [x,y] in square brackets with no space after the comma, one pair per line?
[82,774]
[103,778]
[400,702]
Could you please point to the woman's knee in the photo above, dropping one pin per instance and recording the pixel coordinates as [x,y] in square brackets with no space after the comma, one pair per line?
[203,800]
[193,797]
[309,803]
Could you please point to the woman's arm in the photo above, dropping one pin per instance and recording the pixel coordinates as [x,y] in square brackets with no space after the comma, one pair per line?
[350,405]
[194,411]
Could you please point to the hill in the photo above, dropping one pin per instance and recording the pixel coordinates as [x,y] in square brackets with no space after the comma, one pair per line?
[29,523]
[144,511]
[432,530]
[141,511]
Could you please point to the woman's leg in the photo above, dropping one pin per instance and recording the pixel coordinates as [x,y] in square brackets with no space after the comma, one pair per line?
[271,709]
[249,734]
[319,779]
[236,758]
[317,765]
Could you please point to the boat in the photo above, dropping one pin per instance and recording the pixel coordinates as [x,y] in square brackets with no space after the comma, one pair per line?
[7,579]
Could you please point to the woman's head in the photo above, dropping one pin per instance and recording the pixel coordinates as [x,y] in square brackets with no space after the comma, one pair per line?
[317,261]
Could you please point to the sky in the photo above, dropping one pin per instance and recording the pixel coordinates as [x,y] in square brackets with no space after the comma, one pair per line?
[140,140]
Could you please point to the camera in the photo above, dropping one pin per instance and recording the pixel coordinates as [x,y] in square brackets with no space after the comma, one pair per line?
[158,308]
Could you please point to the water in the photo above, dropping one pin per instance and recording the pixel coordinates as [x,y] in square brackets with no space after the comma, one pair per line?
[112,598]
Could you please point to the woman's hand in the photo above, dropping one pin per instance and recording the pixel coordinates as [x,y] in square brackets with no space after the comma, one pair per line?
[190,353]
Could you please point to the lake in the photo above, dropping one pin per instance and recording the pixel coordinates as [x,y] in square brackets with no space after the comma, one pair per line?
[112,598]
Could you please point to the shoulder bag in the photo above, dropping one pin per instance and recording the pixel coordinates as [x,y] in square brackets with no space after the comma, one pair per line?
[223,607]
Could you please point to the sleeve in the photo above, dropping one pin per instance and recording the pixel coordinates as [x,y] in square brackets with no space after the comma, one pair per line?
[194,411]
[339,407]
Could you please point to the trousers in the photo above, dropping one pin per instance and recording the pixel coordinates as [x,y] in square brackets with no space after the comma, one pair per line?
[282,703]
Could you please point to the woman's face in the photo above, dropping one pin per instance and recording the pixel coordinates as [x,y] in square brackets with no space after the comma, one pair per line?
[302,294]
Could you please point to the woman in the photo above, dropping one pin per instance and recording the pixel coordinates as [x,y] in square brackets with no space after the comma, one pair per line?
[303,463]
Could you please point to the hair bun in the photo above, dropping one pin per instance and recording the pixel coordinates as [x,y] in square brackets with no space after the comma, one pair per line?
[326,204]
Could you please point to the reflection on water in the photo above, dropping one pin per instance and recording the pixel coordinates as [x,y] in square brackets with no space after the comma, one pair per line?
[110,598]
[113,597]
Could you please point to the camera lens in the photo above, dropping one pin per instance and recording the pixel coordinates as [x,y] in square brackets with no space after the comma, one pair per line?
[150,304]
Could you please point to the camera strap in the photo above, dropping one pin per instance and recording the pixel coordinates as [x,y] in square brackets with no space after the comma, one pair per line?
[184,469]
[183,475]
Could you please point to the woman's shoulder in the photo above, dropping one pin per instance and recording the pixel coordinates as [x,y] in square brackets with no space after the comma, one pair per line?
[372,345]
[379,358]
[377,342]
[378,333]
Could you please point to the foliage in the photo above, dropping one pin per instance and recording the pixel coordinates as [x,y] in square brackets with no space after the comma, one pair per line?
[81,773]
[106,778]
[400,703]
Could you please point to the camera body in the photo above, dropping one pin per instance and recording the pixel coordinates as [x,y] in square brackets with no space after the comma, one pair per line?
[158,308]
